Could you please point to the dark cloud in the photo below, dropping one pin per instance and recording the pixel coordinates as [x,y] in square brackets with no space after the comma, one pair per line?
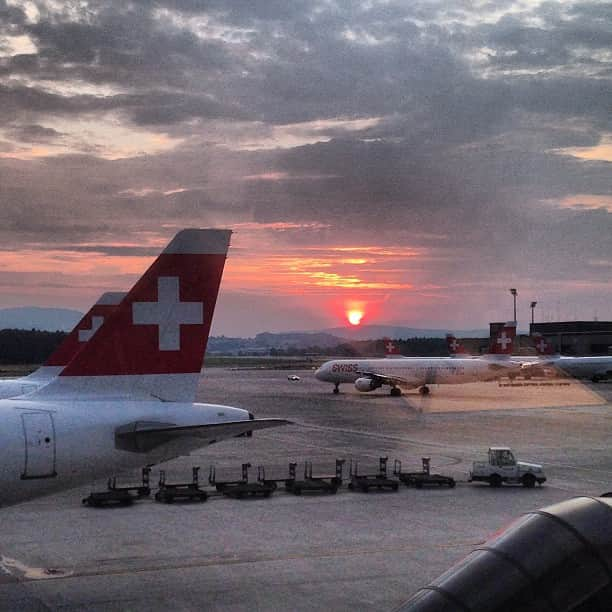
[461,155]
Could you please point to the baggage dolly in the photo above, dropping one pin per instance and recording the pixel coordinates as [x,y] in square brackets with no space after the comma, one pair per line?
[379,481]
[239,489]
[314,484]
[424,477]
[189,491]
[121,496]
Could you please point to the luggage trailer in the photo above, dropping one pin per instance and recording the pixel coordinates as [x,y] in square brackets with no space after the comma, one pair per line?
[422,478]
[187,491]
[121,496]
[314,484]
[239,489]
[378,481]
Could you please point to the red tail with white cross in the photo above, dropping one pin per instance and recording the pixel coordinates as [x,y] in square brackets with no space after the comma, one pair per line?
[454,346]
[503,342]
[542,345]
[391,348]
[154,344]
[85,329]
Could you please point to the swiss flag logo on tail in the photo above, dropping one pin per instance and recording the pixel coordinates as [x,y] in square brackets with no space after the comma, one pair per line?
[85,329]
[162,325]
[503,342]
[543,347]
[391,348]
[454,346]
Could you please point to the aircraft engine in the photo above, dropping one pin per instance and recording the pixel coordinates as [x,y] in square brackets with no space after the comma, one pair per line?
[366,384]
[557,558]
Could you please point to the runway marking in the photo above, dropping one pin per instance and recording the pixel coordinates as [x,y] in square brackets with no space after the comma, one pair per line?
[17,570]
[197,562]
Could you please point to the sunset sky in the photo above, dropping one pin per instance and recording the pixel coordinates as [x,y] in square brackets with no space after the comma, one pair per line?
[411,160]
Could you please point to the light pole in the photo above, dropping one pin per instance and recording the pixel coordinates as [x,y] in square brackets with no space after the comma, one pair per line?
[514,293]
[532,306]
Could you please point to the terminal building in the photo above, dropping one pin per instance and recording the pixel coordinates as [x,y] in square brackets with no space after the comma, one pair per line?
[577,337]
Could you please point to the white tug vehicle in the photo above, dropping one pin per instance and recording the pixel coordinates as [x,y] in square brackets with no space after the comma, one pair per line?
[503,467]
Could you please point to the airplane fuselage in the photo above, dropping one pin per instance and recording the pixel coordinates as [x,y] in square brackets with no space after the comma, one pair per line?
[416,372]
[583,367]
[54,445]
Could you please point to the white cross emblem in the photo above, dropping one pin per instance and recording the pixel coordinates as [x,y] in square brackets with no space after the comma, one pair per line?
[504,340]
[541,345]
[169,313]
[454,345]
[86,334]
[390,347]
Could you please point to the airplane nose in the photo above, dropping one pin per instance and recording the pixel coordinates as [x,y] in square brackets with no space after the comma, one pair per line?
[320,373]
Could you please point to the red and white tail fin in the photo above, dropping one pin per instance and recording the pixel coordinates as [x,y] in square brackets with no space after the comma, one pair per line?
[543,347]
[76,339]
[454,346]
[391,348]
[503,342]
[153,345]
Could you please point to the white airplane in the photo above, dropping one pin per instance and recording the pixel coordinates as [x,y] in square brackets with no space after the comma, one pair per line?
[69,347]
[595,368]
[408,373]
[127,398]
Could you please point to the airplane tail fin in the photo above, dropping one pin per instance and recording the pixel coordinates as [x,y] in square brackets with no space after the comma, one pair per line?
[455,348]
[391,348]
[82,332]
[543,347]
[153,345]
[502,343]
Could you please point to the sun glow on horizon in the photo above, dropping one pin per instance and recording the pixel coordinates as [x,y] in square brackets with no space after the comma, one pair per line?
[354,316]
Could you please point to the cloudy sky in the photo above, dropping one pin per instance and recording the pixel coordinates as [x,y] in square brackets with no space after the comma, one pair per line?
[412,160]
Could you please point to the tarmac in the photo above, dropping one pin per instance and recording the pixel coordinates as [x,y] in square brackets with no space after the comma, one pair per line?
[349,551]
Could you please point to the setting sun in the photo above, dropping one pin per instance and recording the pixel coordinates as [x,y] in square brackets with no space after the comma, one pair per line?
[354,316]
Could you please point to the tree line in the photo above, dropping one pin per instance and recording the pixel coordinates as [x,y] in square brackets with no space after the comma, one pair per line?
[25,346]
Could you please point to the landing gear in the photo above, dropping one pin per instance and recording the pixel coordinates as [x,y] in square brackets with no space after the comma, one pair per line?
[424,390]
[395,392]
[336,389]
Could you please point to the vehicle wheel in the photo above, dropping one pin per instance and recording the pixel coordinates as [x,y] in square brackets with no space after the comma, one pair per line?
[424,390]
[395,487]
[395,392]
[529,481]
[596,378]
[418,484]
[336,390]
[350,486]
[451,484]
[495,480]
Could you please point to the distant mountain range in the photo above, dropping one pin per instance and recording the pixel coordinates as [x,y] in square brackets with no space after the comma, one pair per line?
[375,332]
[64,319]
[46,319]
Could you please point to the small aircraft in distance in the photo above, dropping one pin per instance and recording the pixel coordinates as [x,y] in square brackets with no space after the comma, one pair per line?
[412,372]
[126,399]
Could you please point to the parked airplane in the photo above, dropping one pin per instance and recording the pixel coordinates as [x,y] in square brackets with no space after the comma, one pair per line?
[596,368]
[127,398]
[69,347]
[409,373]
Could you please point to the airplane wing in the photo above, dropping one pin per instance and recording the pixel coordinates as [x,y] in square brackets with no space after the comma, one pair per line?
[142,437]
[383,379]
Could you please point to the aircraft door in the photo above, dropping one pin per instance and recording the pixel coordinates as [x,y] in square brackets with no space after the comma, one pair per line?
[39,435]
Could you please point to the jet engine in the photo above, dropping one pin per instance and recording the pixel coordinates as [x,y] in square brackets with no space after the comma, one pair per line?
[364,384]
[557,558]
